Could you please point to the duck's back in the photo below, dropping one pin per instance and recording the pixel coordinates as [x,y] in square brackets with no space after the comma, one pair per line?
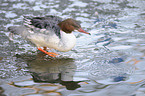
[43,24]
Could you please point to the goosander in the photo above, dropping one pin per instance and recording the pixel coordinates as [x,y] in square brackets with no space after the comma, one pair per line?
[49,31]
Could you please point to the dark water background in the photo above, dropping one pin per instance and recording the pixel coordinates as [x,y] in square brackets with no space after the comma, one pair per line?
[110,62]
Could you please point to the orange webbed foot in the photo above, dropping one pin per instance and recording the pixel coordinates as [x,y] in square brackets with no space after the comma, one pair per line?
[52,54]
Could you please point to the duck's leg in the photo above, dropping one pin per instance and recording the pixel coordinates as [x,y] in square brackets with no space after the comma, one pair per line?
[44,48]
[48,53]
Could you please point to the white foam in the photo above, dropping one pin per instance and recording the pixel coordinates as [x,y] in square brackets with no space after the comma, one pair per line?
[10,15]
[133,40]
[121,47]
[79,3]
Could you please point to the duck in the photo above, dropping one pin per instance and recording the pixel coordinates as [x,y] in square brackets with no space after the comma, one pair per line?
[49,32]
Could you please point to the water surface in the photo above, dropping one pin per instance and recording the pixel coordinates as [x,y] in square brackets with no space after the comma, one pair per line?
[110,62]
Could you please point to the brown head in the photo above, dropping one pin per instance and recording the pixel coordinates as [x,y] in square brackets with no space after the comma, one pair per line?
[70,25]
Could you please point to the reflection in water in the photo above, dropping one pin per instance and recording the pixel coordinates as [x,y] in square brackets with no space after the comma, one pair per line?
[1,92]
[104,41]
[50,76]
[58,70]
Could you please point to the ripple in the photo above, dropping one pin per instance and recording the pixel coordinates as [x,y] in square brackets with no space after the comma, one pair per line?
[20,6]
[108,61]
[37,8]
[121,47]
[10,14]
[79,3]
[133,40]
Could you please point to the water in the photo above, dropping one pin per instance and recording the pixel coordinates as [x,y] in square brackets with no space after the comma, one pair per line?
[110,62]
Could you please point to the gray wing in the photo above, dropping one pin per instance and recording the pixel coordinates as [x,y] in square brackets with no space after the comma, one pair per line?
[43,24]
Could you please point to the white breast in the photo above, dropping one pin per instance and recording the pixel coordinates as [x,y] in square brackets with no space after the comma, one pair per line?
[65,43]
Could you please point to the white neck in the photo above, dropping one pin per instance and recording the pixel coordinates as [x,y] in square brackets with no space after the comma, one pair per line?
[67,42]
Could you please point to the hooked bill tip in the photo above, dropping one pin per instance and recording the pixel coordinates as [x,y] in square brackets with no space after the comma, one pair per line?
[81,30]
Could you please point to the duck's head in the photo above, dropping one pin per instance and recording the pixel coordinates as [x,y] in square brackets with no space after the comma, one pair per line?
[70,25]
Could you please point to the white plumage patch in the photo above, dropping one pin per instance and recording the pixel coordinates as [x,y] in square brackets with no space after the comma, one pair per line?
[44,38]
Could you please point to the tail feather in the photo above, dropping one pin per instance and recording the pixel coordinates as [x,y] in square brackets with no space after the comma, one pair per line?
[20,30]
[14,29]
